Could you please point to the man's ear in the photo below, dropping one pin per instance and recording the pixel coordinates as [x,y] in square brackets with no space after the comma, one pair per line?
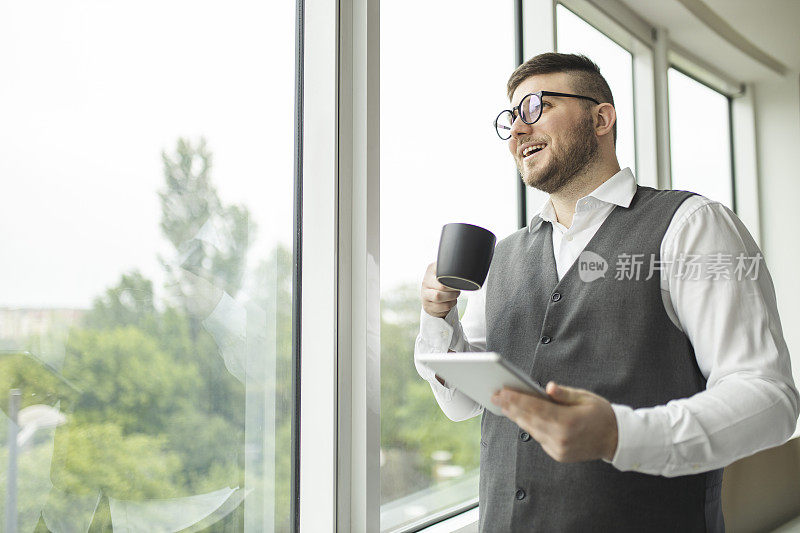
[604,119]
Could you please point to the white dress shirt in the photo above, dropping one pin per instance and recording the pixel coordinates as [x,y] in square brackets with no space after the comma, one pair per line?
[750,402]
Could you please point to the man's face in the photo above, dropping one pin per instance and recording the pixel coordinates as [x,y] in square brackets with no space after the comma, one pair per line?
[566,128]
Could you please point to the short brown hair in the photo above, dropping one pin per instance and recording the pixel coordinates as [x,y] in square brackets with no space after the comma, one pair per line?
[585,75]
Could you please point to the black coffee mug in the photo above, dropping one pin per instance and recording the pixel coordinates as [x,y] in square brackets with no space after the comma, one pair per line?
[465,253]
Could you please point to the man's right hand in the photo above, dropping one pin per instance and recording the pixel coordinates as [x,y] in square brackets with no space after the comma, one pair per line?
[437,300]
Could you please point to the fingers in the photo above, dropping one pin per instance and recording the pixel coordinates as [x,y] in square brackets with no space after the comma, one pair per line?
[437,296]
[430,281]
[437,300]
[529,412]
[582,430]
[567,395]
[437,310]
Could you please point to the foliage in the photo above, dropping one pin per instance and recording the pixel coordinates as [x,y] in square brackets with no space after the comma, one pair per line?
[125,377]
[411,420]
[130,466]
[129,303]
[152,411]
[207,235]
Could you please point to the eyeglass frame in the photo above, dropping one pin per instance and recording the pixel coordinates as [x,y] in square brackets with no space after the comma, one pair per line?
[518,109]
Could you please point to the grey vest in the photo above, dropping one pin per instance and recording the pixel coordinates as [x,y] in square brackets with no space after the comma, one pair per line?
[610,336]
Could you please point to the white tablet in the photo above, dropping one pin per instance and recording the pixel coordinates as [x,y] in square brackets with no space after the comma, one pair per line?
[480,374]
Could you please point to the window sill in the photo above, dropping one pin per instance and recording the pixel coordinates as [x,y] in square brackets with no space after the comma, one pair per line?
[466,522]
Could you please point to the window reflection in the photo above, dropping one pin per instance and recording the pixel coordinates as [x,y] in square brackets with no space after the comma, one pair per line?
[145,321]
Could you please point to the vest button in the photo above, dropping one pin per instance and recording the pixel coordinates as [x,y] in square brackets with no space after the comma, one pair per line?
[546,339]
[520,495]
[524,437]
[556,296]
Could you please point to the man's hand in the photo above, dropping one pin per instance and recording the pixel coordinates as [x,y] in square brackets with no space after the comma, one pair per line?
[580,427]
[437,300]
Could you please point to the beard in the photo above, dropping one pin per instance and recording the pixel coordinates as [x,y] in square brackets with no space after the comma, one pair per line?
[565,162]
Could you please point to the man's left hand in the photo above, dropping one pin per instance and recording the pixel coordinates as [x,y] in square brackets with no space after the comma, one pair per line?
[581,426]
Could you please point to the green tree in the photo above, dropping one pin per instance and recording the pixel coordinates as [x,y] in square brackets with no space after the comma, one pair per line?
[129,303]
[125,377]
[412,423]
[272,292]
[152,411]
[188,203]
[210,241]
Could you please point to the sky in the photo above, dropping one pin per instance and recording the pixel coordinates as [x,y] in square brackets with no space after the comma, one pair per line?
[93,91]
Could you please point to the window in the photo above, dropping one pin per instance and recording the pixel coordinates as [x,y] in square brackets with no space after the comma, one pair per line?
[458,171]
[146,291]
[575,36]
[700,149]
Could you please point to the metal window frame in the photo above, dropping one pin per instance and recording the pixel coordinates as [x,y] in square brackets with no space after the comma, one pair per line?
[318,337]
[339,220]
[297,270]
[661,99]
[537,38]
[745,161]
[436,519]
[519,58]
[358,298]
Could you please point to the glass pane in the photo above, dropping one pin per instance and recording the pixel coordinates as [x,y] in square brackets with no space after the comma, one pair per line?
[575,36]
[145,295]
[699,139]
[460,172]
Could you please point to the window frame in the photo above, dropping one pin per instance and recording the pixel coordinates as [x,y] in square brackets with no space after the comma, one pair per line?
[340,334]
[729,100]
[318,369]
[340,387]
[644,140]
[742,130]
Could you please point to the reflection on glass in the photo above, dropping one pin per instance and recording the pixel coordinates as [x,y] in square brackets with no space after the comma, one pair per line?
[699,139]
[145,321]
[459,172]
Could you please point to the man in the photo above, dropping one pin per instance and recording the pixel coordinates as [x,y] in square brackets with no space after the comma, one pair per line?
[658,379]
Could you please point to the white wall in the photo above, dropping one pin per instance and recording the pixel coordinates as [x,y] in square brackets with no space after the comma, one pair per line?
[778,143]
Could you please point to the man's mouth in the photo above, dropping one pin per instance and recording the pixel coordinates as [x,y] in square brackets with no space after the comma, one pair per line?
[532,149]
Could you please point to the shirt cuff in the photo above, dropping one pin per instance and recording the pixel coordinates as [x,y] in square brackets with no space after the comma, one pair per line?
[441,391]
[437,333]
[643,441]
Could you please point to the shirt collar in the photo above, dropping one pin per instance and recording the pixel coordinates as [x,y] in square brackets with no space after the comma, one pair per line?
[619,189]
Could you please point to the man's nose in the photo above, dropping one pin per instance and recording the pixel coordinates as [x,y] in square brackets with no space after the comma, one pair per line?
[518,128]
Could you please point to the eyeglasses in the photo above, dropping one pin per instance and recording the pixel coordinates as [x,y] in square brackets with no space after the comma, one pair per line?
[529,110]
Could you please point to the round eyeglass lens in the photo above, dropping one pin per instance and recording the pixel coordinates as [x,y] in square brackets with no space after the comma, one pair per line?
[531,108]
[503,124]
